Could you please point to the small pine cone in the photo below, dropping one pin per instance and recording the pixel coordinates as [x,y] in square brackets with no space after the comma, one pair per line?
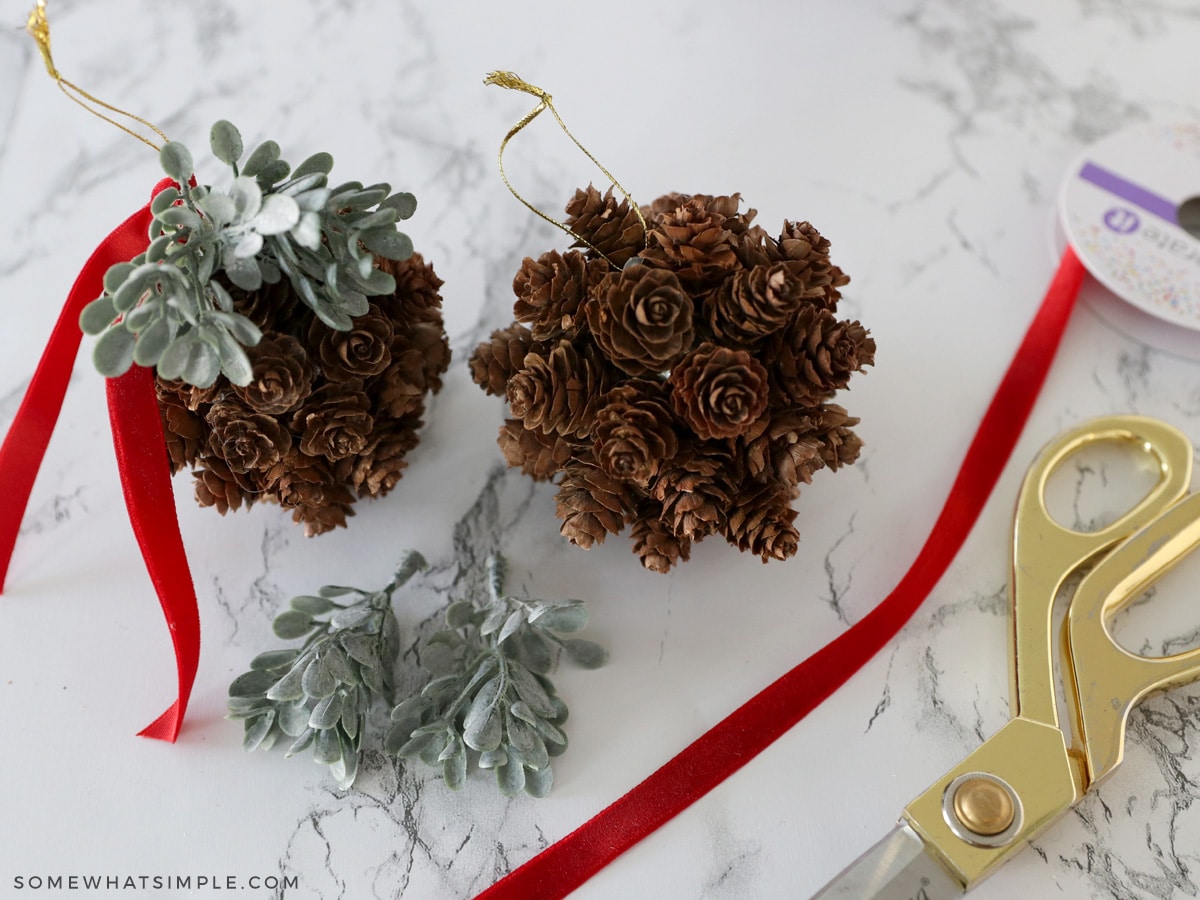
[694,236]
[281,375]
[377,469]
[500,357]
[559,391]
[642,319]
[430,341]
[839,445]
[612,228]
[720,392]
[591,504]
[184,430]
[219,486]
[266,307]
[806,253]
[754,247]
[788,449]
[335,421]
[400,390]
[815,356]
[245,440]
[696,488]
[657,547]
[761,521]
[551,291]
[308,486]
[191,397]
[416,288]
[751,304]
[635,431]
[361,352]
[540,456]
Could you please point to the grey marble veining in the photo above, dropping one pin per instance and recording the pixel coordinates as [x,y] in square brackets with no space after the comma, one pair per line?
[926,138]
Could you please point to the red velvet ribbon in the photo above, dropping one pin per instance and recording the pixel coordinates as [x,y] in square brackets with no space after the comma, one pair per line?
[749,730]
[141,460]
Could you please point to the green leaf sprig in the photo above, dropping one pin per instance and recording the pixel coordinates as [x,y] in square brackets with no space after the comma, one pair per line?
[319,695]
[491,699]
[164,308]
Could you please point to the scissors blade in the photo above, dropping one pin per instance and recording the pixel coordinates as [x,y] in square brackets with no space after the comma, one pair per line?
[897,868]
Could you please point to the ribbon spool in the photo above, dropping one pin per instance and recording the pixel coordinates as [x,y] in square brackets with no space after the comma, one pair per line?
[1130,208]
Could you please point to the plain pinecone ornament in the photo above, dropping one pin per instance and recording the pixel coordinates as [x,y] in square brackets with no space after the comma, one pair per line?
[328,416]
[676,378]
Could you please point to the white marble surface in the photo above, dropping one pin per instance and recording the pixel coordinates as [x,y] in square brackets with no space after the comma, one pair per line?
[926,138]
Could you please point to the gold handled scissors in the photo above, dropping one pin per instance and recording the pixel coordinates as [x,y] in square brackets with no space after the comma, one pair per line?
[1030,772]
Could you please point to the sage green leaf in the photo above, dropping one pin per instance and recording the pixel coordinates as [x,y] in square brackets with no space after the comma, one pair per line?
[521,710]
[515,620]
[410,564]
[337,590]
[339,665]
[203,365]
[277,215]
[274,659]
[482,726]
[588,654]
[454,769]
[162,200]
[376,283]
[235,364]
[251,684]
[221,297]
[301,743]
[327,712]
[273,172]
[565,617]
[497,615]
[441,689]
[97,315]
[551,734]
[292,624]
[377,219]
[327,749]
[459,614]
[391,633]
[113,353]
[176,161]
[157,251]
[265,153]
[318,681]
[403,203]
[439,659]
[433,750]
[345,619]
[116,275]
[257,730]
[293,719]
[510,778]
[526,744]
[179,217]
[307,189]
[141,316]
[539,782]
[409,715]
[345,770]
[226,142]
[395,740]
[175,357]
[530,689]
[240,707]
[317,163]
[388,243]
[490,759]
[363,648]
[534,651]
[312,606]
[151,342]
[411,748]
[374,680]
[291,686]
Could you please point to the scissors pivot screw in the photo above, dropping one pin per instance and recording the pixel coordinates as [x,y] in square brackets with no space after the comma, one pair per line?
[984,806]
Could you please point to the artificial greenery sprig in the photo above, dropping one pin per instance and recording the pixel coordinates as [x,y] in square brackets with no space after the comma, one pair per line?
[165,308]
[320,694]
[491,693]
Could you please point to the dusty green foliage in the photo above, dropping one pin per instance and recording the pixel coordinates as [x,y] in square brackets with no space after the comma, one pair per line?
[320,695]
[166,308]
[491,700]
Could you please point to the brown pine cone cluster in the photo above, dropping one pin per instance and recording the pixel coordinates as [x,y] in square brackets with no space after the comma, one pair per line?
[677,379]
[328,416]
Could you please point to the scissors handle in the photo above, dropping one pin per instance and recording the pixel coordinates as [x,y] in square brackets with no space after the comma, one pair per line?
[1109,680]
[1046,552]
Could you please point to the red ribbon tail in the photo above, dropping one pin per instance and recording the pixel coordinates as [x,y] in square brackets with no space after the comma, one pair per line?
[146,482]
[750,729]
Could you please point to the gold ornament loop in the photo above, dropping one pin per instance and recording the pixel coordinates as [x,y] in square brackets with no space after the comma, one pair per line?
[512,81]
[38,27]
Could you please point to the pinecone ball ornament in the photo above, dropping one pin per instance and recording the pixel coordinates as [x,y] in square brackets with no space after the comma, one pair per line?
[676,378]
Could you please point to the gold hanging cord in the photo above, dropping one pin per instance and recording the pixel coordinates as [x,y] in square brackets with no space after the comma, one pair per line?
[39,29]
[512,81]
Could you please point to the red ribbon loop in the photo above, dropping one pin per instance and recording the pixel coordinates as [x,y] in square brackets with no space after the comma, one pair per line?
[754,726]
[141,460]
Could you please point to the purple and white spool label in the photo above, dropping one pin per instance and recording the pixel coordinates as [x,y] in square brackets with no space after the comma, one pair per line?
[1126,209]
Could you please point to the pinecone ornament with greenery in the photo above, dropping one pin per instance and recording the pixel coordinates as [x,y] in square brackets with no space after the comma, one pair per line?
[675,378]
[327,416]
